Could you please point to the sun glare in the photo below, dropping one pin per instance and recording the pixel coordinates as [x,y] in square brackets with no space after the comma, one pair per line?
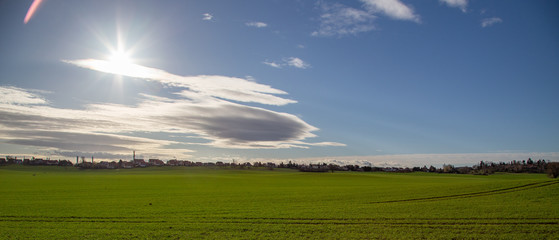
[120,62]
[120,58]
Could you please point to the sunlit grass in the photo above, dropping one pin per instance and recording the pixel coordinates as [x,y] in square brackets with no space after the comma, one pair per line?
[51,202]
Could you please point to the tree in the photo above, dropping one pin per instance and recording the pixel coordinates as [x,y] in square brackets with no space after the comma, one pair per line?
[332,167]
[448,168]
[432,169]
[552,169]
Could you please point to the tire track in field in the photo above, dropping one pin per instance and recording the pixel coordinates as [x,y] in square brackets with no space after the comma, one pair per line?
[392,218]
[389,221]
[78,219]
[431,223]
[419,222]
[476,194]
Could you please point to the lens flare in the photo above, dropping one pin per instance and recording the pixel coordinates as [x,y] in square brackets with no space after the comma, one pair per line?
[32,9]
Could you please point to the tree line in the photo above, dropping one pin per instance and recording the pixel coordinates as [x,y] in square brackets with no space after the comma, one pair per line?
[483,168]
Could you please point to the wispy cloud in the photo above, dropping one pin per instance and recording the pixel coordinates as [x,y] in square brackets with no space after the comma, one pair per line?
[13,95]
[207,16]
[297,62]
[272,64]
[462,4]
[487,22]
[256,24]
[339,20]
[288,62]
[392,8]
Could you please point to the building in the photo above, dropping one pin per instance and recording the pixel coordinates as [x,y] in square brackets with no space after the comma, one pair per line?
[140,163]
[156,162]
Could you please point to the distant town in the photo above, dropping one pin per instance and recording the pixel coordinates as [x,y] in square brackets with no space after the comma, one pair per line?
[483,168]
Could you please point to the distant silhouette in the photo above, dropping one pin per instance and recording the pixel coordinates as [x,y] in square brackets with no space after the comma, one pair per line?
[552,169]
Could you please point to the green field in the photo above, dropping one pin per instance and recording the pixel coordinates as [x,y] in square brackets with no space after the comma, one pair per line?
[191,203]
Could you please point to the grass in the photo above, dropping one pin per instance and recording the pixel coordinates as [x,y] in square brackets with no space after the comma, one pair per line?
[191,203]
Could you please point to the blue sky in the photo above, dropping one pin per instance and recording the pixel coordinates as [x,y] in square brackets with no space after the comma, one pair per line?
[389,82]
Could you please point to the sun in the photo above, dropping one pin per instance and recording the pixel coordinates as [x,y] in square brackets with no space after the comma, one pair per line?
[120,62]
[120,57]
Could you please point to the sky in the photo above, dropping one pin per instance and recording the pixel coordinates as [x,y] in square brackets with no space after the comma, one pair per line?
[368,82]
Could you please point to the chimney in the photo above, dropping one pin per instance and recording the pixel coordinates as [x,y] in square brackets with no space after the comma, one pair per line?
[133,155]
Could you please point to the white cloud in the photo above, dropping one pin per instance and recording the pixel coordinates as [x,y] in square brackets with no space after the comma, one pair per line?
[256,24]
[340,20]
[225,124]
[288,62]
[272,64]
[207,17]
[202,108]
[297,62]
[462,4]
[13,95]
[232,88]
[392,8]
[490,21]
[47,130]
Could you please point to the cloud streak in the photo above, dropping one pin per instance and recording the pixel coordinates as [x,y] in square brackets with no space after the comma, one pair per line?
[256,24]
[273,64]
[487,22]
[207,17]
[289,62]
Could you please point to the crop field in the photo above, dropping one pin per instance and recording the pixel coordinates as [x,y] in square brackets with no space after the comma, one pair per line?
[203,203]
